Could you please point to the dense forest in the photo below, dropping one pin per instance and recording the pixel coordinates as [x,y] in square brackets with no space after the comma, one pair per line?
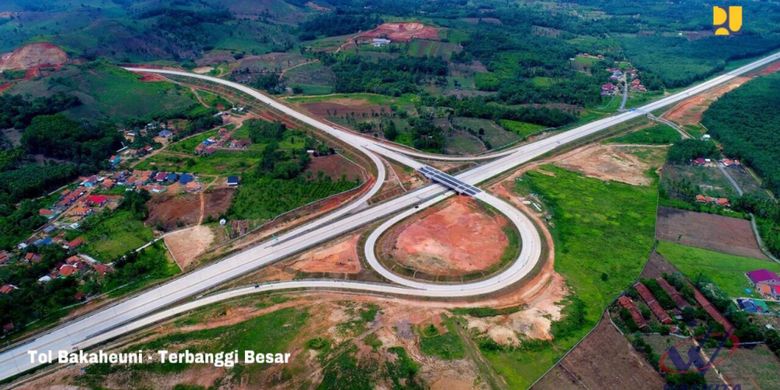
[746,122]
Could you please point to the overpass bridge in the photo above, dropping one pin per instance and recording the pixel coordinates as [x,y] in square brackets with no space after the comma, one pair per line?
[448,181]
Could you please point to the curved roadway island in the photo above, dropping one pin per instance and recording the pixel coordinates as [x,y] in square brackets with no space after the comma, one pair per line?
[166,300]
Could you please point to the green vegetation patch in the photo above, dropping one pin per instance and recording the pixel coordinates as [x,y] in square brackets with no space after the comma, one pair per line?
[726,271]
[523,129]
[659,134]
[112,235]
[264,198]
[269,333]
[746,121]
[447,346]
[600,228]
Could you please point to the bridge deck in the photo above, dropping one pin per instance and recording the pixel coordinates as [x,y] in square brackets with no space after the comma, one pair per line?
[449,181]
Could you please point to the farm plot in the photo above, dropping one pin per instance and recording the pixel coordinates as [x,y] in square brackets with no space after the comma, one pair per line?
[708,231]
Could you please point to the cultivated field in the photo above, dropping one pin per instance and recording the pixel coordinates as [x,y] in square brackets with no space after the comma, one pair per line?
[708,231]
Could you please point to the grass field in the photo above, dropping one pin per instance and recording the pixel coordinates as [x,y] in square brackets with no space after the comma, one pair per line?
[491,133]
[726,271]
[447,346]
[221,162]
[111,93]
[270,333]
[263,198]
[603,234]
[115,235]
[659,134]
[523,129]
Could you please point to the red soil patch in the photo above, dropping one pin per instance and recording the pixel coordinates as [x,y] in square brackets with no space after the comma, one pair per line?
[335,167]
[402,32]
[33,55]
[340,257]
[152,77]
[772,68]
[690,111]
[455,238]
[341,107]
[177,210]
[708,231]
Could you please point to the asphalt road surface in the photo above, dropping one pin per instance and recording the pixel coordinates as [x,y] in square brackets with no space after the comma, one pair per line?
[139,310]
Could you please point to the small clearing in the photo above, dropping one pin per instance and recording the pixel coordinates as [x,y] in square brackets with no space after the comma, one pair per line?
[715,232]
[170,212]
[33,55]
[622,163]
[187,244]
[402,32]
[338,257]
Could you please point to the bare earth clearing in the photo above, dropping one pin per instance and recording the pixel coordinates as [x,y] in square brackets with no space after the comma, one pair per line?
[604,360]
[182,210]
[708,231]
[187,244]
[612,162]
[452,239]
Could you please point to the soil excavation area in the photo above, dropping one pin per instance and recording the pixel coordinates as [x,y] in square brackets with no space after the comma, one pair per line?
[456,238]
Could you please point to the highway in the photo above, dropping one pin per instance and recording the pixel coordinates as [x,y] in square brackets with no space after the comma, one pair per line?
[139,310]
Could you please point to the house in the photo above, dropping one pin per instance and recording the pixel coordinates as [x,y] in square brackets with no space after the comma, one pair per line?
[101,269]
[629,305]
[753,306]
[185,178]
[379,42]
[7,288]
[44,279]
[160,177]
[608,89]
[678,300]
[651,302]
[97,200]
[43,241]
[67,270]
[108,184]
[766,282]
[699,161]
[115,160]
[90,181]
[4,257]
[193,186]
[75,243]
[232,181]
[46,213]
[32,257]
[723,202]
[171,177]
[49,229]
[727,162]
[80,210]
[707,306]
[165,133]
[70,197]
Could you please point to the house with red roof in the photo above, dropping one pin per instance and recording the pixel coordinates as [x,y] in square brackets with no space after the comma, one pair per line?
[97,200]
[46,213]
[4,256]
[652,303]
[629,305]
[67,270]
[32,257]
[75,243]
[766,282]
[7,288]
